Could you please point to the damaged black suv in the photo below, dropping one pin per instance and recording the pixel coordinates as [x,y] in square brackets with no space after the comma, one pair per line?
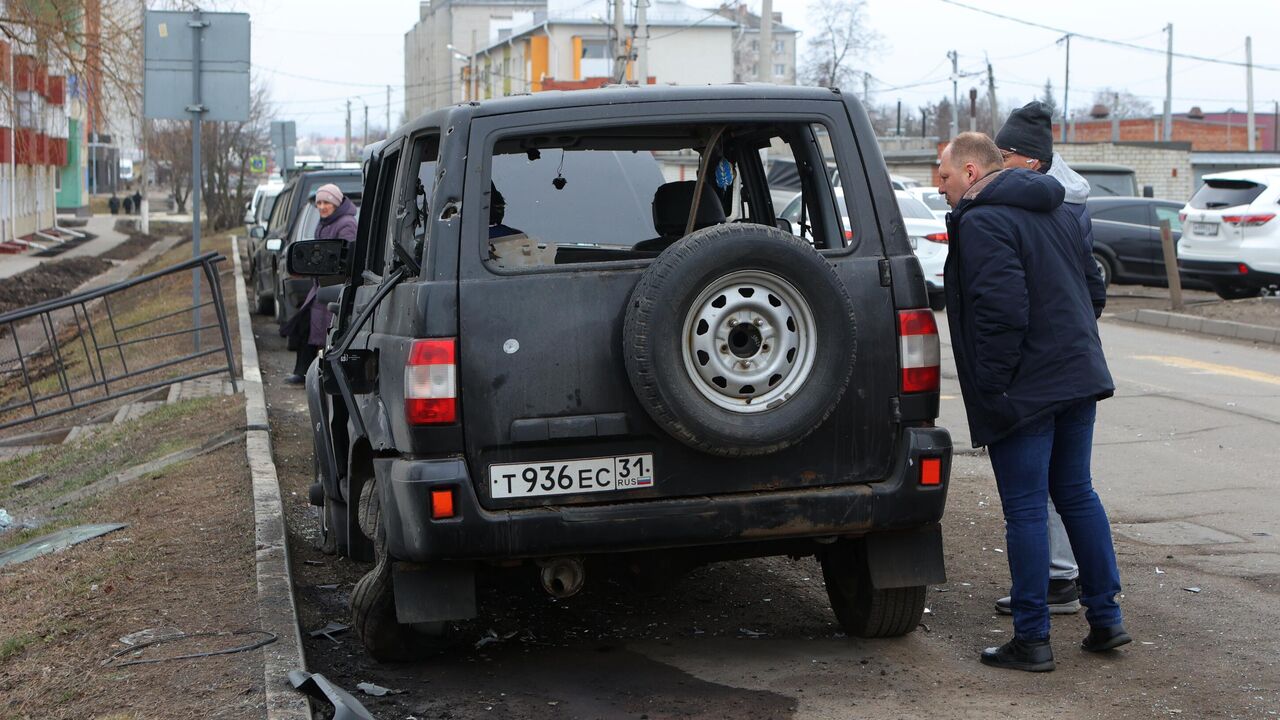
[575,336]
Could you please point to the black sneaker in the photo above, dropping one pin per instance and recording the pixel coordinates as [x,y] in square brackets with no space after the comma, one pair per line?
[1063,599]
[1019,654]
[1105,638]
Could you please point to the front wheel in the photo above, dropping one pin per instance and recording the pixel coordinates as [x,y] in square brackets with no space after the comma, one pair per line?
[863,609]
[1104,268]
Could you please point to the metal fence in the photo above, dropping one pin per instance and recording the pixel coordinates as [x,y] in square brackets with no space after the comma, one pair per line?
[80,350]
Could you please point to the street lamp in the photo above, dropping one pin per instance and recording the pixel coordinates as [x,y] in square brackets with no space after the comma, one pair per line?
[458,55]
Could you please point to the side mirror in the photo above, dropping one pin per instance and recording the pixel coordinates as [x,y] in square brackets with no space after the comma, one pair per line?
[248,216]
[274,244]
[784,226]
[317,257]
[1148,191]
[257,232]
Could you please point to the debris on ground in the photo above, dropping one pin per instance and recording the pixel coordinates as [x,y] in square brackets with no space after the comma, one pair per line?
[493,637]
[28,482]
[333,628]
[56,542]
[318,686]
[1192,589]
[6,520]
[150,635]
[115,659]
[376,690]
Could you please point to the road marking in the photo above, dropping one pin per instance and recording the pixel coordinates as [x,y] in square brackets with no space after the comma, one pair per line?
[1212,368]
[946,397]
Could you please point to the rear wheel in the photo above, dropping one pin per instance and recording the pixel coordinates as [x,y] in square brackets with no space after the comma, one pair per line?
[373,615]
[1104,267]
[863,609]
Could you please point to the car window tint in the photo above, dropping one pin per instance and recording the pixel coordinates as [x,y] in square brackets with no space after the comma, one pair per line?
[1110,184]
[935,201]
[1217,193]
[1135,214]
[1164,212]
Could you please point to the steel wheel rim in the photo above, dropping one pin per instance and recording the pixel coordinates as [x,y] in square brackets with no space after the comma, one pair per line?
[749,341]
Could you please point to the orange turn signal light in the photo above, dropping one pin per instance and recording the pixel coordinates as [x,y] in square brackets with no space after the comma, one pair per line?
[441,504]
[931,471]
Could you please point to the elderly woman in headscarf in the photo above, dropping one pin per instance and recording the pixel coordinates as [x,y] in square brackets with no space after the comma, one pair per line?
[306,330]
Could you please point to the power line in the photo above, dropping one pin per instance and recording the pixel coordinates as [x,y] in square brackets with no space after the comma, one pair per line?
[1107,41]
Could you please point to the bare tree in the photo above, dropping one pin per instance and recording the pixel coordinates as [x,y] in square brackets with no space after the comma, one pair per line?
[1049,100]
[226,149]
[842,37]
[170,146]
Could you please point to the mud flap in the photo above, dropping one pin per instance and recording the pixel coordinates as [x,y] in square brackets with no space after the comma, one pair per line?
[434,592]
[906,558]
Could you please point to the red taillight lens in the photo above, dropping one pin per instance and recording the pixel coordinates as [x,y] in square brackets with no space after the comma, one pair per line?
[431,382]
[1248,220]
[931,471]
[920,352]
[441,504]
[936,237]
[1244,269]
[1182,217]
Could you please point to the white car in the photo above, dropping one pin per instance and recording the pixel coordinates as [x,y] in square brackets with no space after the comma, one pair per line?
[935,201]
[1231,235]
[927,234]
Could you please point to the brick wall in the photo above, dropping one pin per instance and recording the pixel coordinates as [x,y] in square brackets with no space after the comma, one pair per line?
[1204,136]
[1167,170]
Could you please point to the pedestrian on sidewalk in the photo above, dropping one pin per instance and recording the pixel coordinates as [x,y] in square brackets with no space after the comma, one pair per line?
[1026,141]
[1031,370]
[307,328]
[113,204]
[137,202]
[128,205]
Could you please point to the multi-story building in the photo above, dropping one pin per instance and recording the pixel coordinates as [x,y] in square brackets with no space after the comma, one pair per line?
[432,70]
[33,131]
[746,46]
[573,46]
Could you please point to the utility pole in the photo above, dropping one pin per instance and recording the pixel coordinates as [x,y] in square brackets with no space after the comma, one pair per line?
[955,93]
[899,130]
[866,88]
[924,123]
[1168,87]
[197,109]
[973,110]
[642,40]
[1115,117]
[764,58]
[366,123]
[388,131]
[348,129]
[1248,61]
[991,98]
[621,54]
[144,209]
[1066,89]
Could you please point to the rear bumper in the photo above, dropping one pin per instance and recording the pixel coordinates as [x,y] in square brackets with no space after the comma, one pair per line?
[1224,272]
[895,503]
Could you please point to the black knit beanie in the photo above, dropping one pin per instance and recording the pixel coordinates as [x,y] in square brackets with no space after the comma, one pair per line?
[1028,131]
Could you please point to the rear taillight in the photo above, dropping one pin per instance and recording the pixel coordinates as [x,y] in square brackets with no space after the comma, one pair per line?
[1247,220]
[1243,269]
[931,471]
[936,237]
[1182,217]
[431,382]
[920,353]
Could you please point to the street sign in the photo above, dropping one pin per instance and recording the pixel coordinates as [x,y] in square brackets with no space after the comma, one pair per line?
[168,52]
[257,164]
[284,140]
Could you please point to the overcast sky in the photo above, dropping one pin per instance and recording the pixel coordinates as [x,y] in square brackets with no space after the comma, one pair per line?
[315,55]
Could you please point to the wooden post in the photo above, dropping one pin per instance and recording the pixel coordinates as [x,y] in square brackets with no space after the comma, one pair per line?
[1171,265]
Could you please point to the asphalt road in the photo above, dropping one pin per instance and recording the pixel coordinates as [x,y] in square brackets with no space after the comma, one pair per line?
[1185,461]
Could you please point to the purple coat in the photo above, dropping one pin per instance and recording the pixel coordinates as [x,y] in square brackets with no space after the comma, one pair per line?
[341,224]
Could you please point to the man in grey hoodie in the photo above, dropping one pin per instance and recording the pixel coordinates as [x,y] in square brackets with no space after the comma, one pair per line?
[1026,141]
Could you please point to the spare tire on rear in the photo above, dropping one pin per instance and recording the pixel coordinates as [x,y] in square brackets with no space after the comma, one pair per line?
[739,340]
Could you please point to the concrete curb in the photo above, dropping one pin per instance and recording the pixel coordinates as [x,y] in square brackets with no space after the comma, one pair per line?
[1203,326]
[276,610]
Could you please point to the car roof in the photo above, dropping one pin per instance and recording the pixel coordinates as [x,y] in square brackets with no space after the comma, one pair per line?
[617,94]
[1269,174]
[1102,167]
[310,175]
[1126,200]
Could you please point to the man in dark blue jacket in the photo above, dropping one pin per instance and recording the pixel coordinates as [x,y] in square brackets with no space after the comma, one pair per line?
[1031,369]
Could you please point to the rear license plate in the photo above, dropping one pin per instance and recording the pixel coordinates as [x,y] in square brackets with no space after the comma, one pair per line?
[1204,228]
[621,472]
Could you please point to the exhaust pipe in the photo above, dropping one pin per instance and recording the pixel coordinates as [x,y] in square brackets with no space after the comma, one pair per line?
[562,577]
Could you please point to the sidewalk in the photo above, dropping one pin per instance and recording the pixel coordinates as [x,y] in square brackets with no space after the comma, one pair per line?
[101,225]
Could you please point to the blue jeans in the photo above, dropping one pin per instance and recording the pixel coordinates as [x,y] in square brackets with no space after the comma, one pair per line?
[1049,458]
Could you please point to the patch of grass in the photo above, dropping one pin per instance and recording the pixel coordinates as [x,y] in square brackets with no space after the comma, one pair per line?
[167,429]
[14,645]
